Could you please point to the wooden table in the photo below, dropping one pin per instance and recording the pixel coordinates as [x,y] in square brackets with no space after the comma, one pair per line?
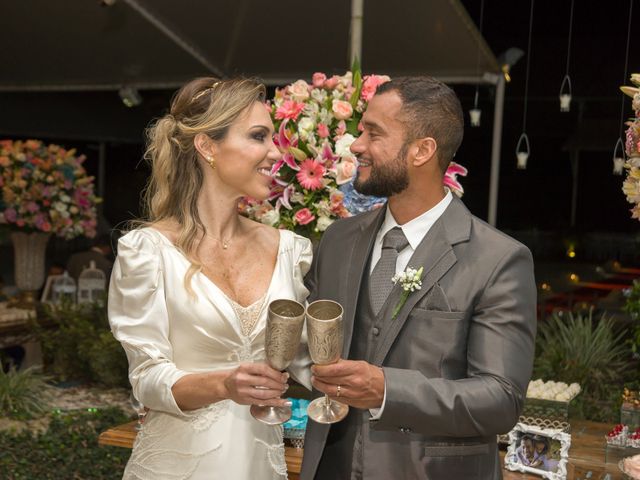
[587,452]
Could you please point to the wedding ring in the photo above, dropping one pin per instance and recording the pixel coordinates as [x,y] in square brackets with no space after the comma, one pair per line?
[338,391]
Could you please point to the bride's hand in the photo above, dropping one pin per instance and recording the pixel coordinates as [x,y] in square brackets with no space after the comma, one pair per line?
[256,383]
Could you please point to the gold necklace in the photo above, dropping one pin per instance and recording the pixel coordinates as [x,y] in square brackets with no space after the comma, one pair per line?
[225,243]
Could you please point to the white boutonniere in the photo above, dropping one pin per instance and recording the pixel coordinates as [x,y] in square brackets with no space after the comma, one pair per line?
[410,280]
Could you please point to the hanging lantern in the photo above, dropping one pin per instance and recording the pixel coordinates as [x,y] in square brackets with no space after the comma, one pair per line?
[522,151]
[618,158]
[618,165]
[475,112]
[565,94]
[474,116]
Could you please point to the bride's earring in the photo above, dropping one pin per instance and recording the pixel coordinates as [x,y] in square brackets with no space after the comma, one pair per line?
[211,161]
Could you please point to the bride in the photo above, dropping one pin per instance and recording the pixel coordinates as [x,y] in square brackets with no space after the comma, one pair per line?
[190,289]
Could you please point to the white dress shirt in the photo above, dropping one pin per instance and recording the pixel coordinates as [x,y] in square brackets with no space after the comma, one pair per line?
[414,230]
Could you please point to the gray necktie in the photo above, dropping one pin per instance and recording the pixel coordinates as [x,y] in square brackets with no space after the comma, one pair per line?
[380,284]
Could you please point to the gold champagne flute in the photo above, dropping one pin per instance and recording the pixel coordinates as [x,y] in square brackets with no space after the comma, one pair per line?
[324,329]
[285,320]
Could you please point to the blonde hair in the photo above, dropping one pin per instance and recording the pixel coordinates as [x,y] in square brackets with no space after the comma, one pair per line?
[204,105]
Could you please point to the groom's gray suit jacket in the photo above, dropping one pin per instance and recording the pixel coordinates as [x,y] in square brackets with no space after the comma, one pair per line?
[457,358]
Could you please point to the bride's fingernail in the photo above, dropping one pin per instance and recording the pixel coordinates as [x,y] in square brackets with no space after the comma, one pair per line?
[288,403]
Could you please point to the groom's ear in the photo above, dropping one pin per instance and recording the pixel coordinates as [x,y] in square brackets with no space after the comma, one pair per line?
[424,151]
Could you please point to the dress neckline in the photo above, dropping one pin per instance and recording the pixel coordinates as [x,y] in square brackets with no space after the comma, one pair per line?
[231,301]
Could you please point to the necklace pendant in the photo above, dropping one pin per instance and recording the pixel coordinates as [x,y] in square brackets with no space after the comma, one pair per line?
[225,245]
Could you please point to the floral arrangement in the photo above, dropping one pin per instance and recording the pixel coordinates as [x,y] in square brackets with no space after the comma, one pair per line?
[45,188]
[410,280]
[631,184]
[316,124]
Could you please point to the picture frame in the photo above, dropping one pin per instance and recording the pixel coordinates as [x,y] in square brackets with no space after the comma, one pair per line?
[540,451]
[47,290]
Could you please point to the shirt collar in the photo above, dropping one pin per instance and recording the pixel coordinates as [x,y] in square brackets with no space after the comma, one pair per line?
[416,229]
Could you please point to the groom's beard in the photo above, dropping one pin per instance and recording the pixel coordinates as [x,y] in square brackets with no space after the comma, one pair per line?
[386,179]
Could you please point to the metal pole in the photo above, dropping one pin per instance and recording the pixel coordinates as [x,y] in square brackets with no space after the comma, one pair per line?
[495,151]
[575,163]
[355,34]
[177,38]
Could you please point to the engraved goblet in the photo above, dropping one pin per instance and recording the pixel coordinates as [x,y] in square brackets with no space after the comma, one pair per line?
[324,329]
[285,320]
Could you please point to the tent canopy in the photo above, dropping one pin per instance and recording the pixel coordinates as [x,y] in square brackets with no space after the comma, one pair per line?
[80,45]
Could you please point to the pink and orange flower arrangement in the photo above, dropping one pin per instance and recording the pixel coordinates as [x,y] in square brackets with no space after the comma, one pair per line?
[631,184]
[316,123]
[45,188]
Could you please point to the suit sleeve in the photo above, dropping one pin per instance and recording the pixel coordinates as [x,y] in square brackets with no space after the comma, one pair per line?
[500,350]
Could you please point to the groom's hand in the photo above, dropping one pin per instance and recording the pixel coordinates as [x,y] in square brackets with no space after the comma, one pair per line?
[361,384]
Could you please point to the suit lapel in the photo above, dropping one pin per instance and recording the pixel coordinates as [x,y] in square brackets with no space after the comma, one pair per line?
[358,261]
[435,254]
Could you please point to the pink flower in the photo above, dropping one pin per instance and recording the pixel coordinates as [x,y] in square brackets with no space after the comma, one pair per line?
[290,109]
[450,177]
[341,129]
[323,130]
[10,215]
[310,174]
[346,169]
[318,79]
[304,216]
[332,82]
[370,85]
[341,109]
[299,90]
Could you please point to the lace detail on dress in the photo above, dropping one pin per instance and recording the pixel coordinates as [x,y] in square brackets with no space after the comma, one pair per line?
[209,415]
[248,316]
[275,454]
[148,462]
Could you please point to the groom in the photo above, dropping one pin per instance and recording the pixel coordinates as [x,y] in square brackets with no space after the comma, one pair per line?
[430,387]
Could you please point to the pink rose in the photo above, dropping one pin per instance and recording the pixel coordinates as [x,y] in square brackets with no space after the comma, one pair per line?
[332,82]
[346,170]
[299,90]
[341,109]
[318,79]
[323,130]
[304,216]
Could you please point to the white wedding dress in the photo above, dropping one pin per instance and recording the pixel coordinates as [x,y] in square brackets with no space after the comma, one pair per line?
[167,334]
